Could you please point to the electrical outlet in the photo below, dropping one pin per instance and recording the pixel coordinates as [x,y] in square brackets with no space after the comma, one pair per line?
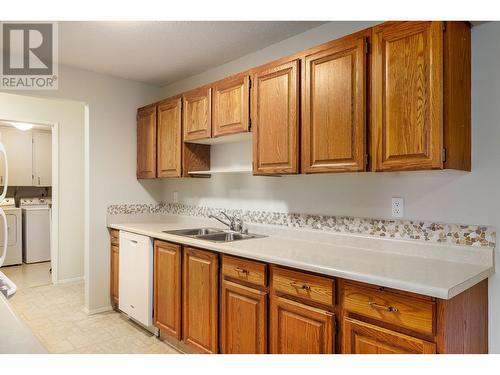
[175,197]
[398,207]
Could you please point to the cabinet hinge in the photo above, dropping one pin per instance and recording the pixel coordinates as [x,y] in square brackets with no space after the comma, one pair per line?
[443,155]
[444,25]
[367,159]
[367,47]
[249,83]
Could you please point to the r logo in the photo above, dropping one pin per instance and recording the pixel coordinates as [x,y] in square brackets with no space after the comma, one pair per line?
[27,49]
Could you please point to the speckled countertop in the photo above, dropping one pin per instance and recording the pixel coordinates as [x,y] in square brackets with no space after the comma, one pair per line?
[440,271]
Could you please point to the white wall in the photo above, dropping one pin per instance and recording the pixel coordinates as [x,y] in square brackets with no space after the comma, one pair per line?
[297,43]
[70,117]
[448,196]
[112,104]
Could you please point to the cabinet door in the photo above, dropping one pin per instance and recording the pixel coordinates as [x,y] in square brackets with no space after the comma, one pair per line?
[300,329]
[19,148]
[114,272]
[42,158]
[200,300]
[333,118]
[197,114]
[167,288]
[364,338]
[231,105]
[146,142]
[169,138]
[275,109]
[243,320]
[407,96]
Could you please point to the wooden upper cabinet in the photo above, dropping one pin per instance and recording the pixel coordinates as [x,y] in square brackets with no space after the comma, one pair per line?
[146,142]
[457,95]
[197,114]
[334,111]
[300,329]
[275,121]
[200,300]
[167,287]
[169,141]
[231,104]
[364,338]
[407,96]
[404,85]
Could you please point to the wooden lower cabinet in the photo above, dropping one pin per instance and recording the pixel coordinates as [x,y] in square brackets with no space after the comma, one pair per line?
[243,327]
[114,266]
[365,338]
[266,308]
[296,328]
[167,288]
[200,300]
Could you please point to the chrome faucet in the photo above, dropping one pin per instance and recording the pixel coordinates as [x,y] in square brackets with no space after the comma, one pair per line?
[234,223]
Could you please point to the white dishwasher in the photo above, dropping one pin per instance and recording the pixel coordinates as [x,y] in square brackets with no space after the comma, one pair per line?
[136,277]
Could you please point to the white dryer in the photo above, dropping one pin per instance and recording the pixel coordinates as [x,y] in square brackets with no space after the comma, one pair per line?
[14,232]
[36,229]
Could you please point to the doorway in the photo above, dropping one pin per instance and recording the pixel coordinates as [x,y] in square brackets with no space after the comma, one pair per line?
[31,202]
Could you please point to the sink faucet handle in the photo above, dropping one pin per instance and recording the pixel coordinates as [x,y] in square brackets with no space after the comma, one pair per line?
[235,223]
[230,218]
[239,225]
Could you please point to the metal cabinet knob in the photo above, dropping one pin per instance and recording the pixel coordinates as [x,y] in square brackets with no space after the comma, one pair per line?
[300,286]
[391,309]
[241,270]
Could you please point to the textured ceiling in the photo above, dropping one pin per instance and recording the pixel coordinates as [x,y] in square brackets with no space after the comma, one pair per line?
[165,52]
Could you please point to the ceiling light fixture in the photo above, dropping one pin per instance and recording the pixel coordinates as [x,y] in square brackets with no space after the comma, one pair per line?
[22,125]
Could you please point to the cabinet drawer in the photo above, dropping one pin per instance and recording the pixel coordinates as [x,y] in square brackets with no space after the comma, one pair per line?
[245,270]
[114,235]
[308,287]
[401,310]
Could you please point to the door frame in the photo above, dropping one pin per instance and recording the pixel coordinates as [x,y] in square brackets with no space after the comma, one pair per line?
[54,216]
[54,227]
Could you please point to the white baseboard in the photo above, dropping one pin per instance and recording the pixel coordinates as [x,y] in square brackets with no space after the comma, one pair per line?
[67,281]
[97,311]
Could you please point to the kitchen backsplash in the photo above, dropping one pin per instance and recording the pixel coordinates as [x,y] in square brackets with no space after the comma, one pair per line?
[457,234]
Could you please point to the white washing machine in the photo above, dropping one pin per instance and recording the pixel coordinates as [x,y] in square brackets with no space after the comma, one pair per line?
[36,229]
[14,232]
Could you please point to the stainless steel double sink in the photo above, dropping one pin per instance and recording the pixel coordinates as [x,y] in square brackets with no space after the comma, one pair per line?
[213,234]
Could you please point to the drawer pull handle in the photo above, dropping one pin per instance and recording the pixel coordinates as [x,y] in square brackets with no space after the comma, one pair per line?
[241,270]
[390,309]
[300,286]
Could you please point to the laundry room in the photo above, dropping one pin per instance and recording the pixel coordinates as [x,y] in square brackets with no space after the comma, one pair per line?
[28,201]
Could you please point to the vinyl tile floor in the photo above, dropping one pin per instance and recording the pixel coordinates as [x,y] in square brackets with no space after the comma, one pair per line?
[55,315]
[29,275]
